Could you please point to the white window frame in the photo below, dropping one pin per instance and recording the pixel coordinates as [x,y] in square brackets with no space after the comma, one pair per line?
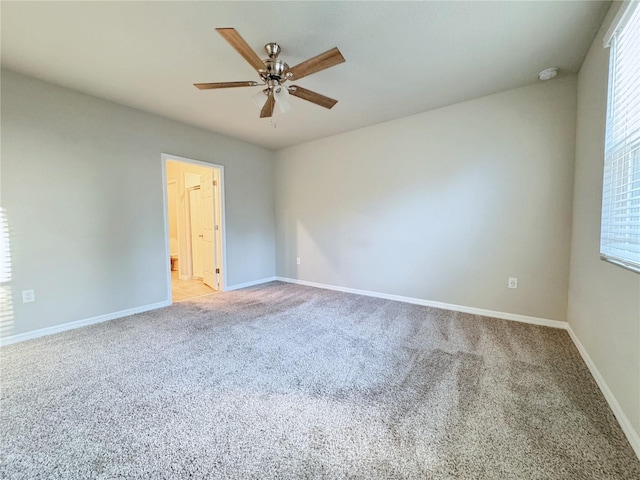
[620,226]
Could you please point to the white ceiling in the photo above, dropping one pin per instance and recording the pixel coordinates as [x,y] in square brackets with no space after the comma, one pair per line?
[402,58]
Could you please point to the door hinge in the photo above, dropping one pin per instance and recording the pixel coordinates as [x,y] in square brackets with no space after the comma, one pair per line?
[215,183]
[217,227]
[217,270]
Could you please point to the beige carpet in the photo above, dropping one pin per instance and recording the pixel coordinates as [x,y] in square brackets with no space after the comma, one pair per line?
[290,382]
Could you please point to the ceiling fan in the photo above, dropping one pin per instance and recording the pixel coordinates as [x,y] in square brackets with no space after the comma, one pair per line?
[274,73]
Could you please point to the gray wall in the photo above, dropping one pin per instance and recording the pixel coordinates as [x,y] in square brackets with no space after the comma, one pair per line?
[441,206]
[82,188]
[604,299]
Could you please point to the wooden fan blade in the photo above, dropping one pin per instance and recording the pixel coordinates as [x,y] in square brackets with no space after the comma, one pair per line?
[267,110]
[312,97]
[319,62]
[242,47]
[208,86]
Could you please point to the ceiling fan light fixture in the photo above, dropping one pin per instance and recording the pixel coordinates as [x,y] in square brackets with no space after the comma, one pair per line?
[259,98]
[281,94]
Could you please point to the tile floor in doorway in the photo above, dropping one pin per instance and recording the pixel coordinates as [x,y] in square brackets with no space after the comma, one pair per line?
[183,289]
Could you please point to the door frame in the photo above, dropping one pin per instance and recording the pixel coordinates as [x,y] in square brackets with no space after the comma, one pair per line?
[223,226]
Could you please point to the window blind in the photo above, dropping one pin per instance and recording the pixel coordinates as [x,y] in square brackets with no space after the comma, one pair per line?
[620,227]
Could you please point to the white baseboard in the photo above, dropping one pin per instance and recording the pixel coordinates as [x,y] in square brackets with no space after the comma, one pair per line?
[429,303]
[238,286]
[21,337]
[625,424]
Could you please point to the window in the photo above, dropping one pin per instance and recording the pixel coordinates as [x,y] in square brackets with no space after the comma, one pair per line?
[620,228]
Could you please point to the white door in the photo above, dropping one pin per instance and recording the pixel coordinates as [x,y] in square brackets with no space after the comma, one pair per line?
[208,245]
[197,235]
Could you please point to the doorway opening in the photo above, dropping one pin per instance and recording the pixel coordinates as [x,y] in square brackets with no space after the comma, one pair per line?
[194,227]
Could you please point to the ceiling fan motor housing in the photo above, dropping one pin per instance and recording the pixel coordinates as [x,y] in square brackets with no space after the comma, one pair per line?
[275,70]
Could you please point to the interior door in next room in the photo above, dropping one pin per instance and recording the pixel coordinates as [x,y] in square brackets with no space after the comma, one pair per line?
[197,233]
[208,229]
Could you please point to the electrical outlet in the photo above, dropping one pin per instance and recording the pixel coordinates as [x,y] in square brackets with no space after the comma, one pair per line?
[513,282]
[298,261]
[28,296]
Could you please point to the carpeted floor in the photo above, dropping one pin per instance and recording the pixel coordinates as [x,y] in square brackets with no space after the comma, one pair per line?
[290,382]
